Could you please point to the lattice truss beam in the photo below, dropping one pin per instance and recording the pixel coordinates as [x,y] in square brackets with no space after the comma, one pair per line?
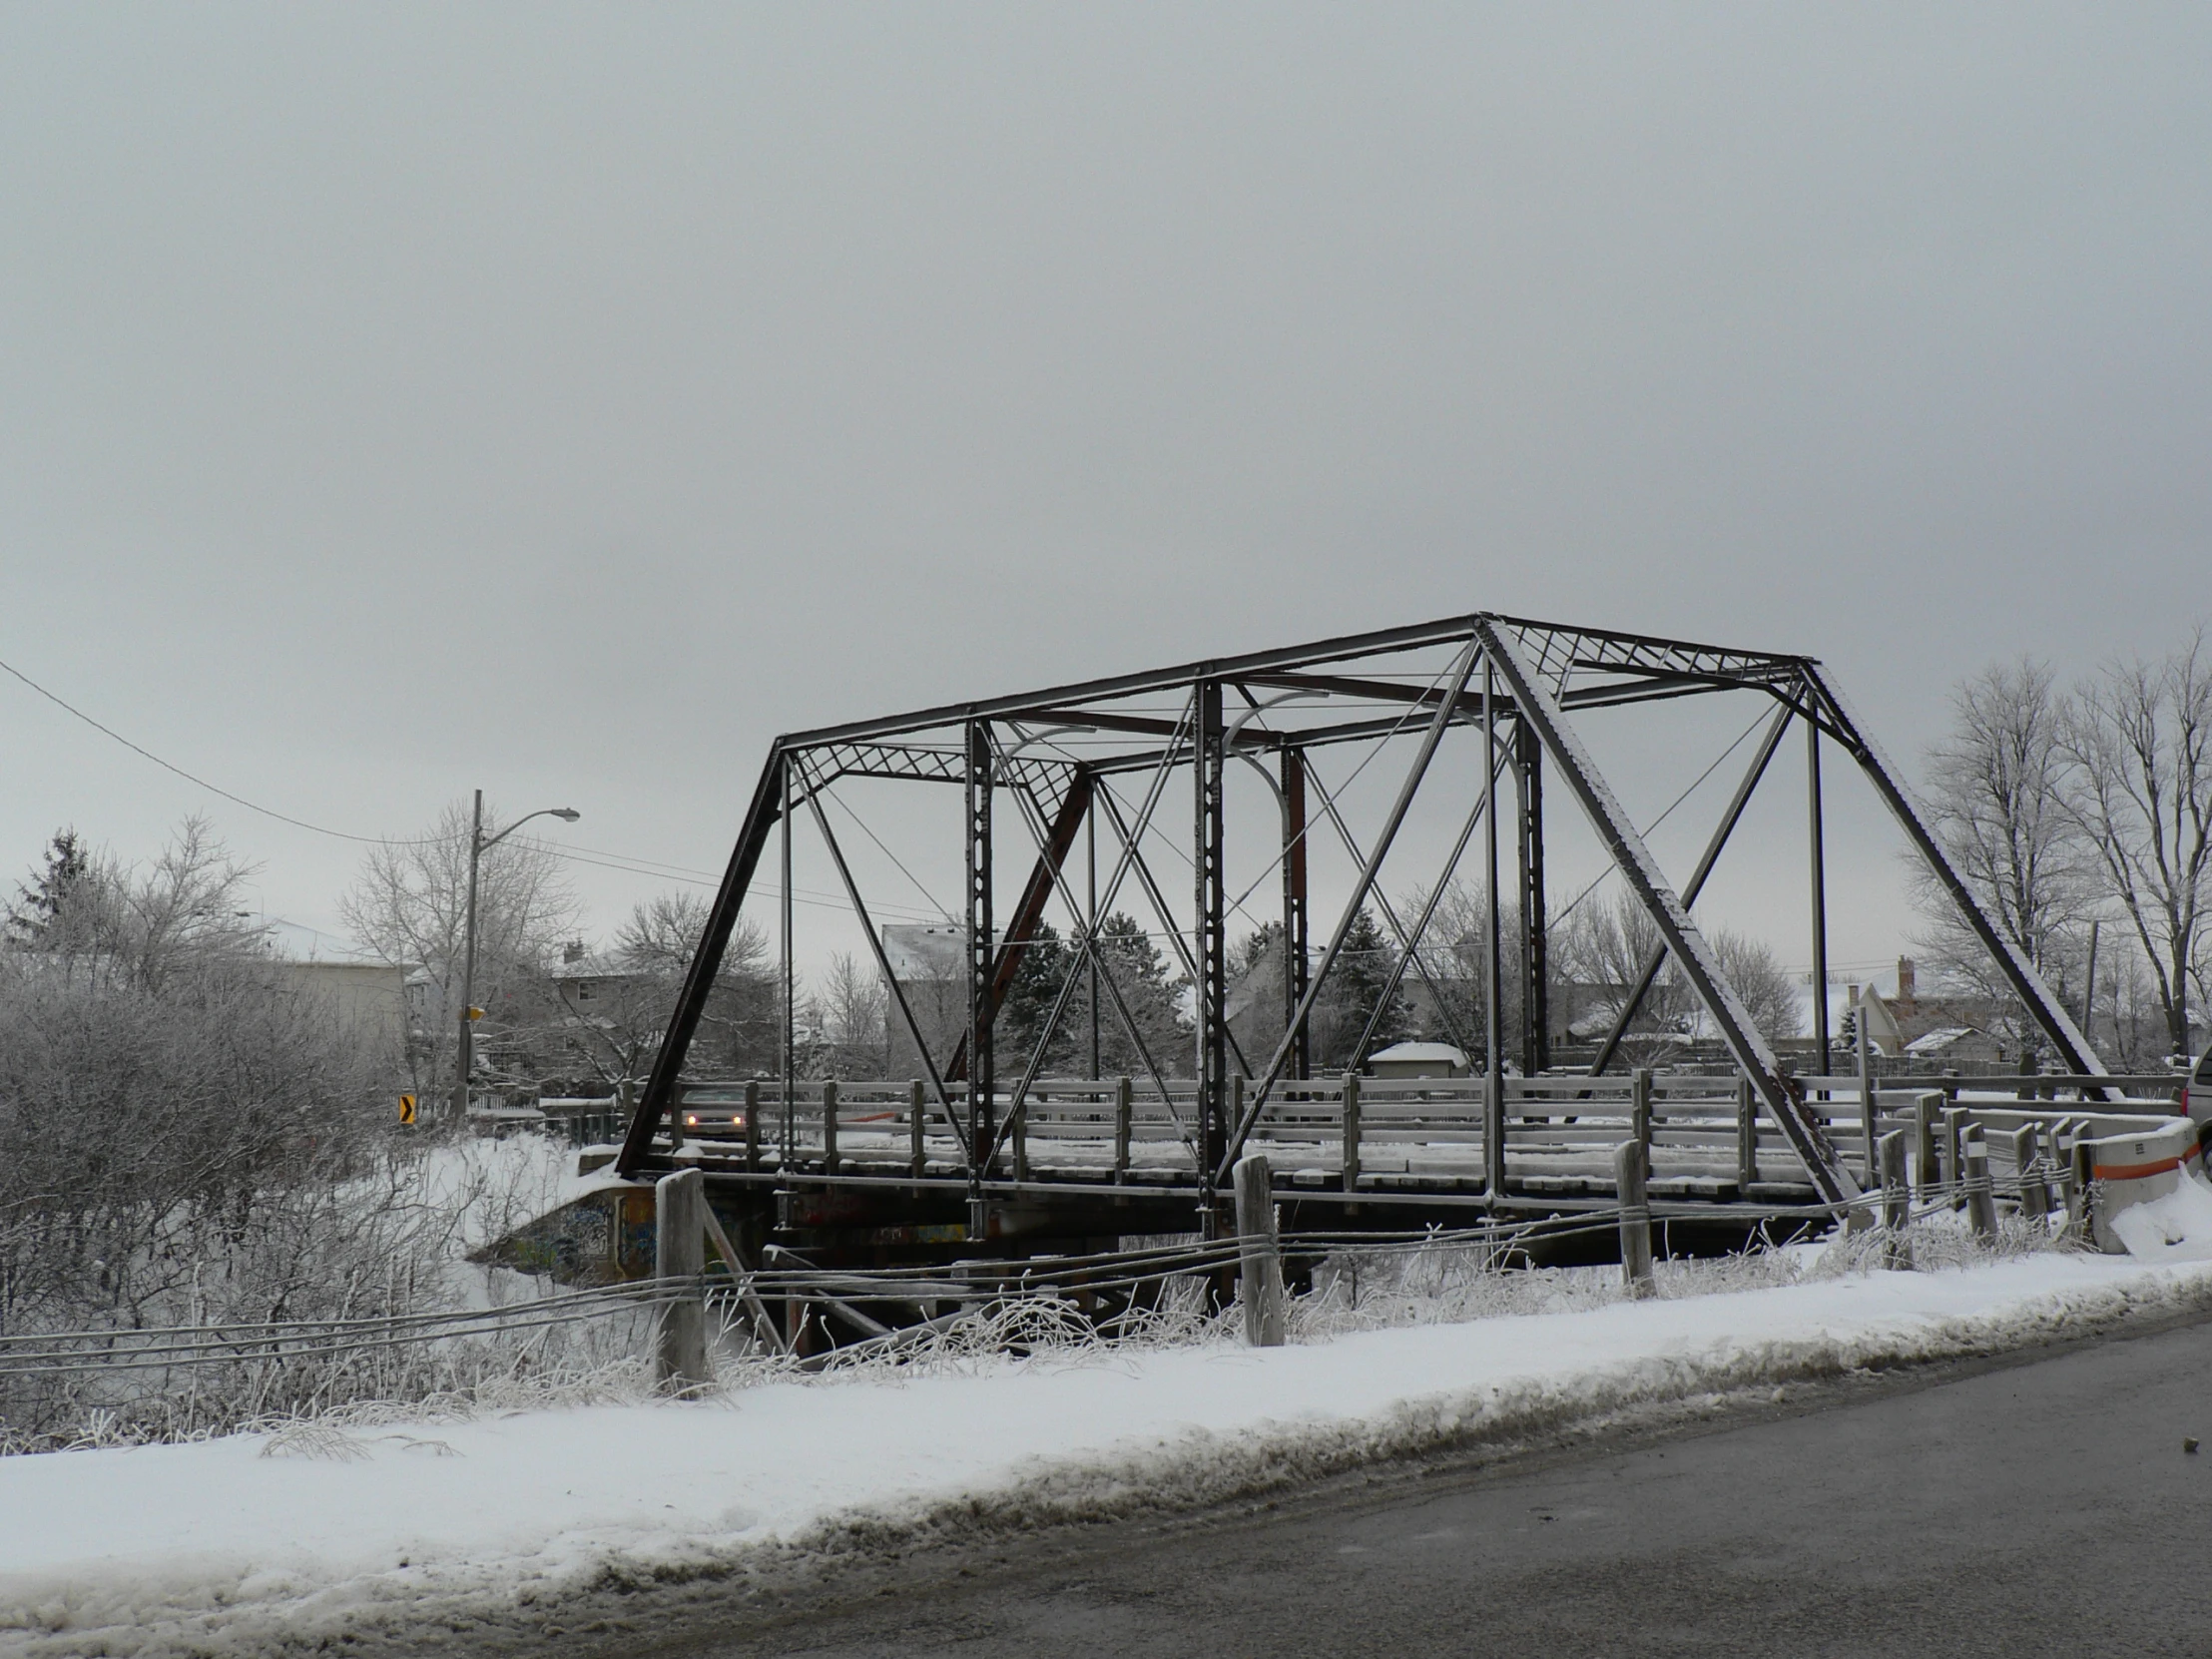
[1106,760]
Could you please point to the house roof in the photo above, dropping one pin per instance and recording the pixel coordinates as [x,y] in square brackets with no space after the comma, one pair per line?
[1935,1042]
[1437,1053]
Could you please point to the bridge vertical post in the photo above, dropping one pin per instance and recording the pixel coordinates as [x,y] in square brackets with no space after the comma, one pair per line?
[1296,912]
[679,1263]
[1090,917]
[753,1126]
[786,974]
[1819,849]
[1209,765]
[830,1126]
[982,1061]
[1494,1058]
[1528,778]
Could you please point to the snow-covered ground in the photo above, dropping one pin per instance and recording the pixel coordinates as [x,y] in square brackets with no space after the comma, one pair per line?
[511,1526]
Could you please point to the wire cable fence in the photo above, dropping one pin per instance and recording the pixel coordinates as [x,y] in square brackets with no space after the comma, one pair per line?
[182,1380]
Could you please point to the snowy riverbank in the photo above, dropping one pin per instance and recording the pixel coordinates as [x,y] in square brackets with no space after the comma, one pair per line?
[500,1523]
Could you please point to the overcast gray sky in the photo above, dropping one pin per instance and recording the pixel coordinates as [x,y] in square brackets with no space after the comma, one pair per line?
[563,399]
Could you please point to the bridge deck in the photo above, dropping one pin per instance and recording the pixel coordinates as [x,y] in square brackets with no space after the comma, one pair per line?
[871,1166]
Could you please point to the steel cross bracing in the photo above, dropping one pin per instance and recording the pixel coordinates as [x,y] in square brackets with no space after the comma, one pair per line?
[1055,754]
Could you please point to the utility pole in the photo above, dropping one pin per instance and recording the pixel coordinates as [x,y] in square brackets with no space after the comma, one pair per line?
[478,844]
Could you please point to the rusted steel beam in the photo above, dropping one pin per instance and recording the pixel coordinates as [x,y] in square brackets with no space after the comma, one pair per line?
[1021,928]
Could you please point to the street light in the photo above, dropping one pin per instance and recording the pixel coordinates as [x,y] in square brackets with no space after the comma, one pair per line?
[477,841]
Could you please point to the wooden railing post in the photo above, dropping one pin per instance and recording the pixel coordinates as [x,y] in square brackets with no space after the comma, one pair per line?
[1493,1142]
[1747,1135]
[1953,1154]
[1260,1279]
[1639,1112]
[918,1151]
[1927,1109]
[679,1263]
[1628,1180]
[830,1126]
[1897,1207]
[1124,1113]
[752,1125]
[1350,1133]
[2064,1136]
[1982,1203]
[1020,1137]
[2027,1158]
[1868,1128]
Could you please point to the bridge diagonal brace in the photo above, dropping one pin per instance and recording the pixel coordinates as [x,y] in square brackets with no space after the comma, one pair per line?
[1698,964]
[658,1099]
[2046,1009]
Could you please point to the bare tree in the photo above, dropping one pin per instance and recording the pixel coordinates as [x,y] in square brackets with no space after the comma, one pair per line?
[409,907]
[2137,741]
[853,1014]
[1997,792]
[615,1015]
[1761,981]
[1602,949]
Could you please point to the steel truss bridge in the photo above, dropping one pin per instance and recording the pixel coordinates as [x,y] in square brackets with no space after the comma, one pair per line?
[985,1151]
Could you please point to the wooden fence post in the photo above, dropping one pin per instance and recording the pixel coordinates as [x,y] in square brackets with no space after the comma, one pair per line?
[1747,1136]
[752,1125]
[918,1152]
[830,1126]
[1897,1201]
[1260,1280]
[1124,1113]
[1926,1173]
[1350,1133]
[678,1262]
[1019,1135]
[1982,1203]
[1628,1178]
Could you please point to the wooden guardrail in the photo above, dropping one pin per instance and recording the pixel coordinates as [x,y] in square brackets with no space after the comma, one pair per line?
[1704,1135]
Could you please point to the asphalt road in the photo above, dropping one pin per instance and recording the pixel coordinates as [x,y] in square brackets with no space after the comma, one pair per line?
[2029,1508]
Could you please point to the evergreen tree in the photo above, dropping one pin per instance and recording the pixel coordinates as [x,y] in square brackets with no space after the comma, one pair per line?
[43,901]
[1043,970]
[1354,987]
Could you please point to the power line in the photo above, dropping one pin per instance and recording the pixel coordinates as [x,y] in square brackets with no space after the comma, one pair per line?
[212,789]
